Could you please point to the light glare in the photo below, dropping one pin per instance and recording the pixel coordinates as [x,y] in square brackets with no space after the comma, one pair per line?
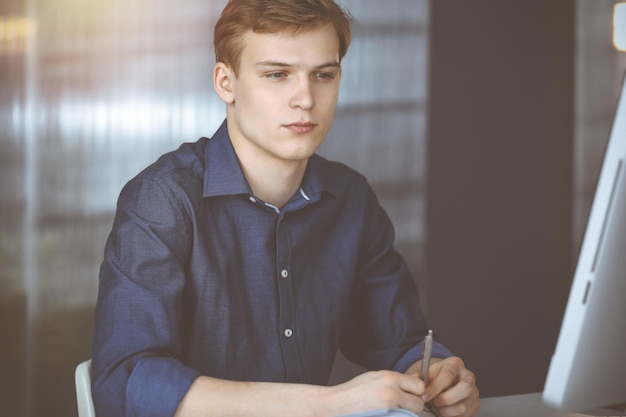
[619,26]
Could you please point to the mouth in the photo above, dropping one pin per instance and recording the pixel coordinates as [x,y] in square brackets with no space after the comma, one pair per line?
[301,127]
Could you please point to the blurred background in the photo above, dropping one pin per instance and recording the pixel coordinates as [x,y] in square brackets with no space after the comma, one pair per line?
[481,124]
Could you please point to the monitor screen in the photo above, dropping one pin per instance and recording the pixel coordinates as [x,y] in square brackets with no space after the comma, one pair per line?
[588,368]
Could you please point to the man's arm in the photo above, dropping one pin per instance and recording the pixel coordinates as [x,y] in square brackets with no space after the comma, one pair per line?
[137,331]
[451,387]
[369,391]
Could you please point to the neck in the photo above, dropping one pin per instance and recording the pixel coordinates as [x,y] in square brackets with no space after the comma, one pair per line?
[271,179]
[274,184]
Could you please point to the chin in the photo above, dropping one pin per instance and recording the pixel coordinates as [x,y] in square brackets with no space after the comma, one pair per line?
[297,154]
[303,150]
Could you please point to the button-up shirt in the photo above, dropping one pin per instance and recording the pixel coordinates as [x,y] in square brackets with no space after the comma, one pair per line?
[200,277]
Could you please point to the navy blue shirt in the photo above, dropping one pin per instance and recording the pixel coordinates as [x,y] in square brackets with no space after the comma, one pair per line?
[200,277]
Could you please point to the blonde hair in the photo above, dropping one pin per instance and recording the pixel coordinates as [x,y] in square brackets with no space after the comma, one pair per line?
[275,16]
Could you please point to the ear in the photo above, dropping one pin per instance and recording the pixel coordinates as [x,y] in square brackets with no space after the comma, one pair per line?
[223,82]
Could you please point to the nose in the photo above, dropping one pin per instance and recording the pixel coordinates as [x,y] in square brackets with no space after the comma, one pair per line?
[303,96]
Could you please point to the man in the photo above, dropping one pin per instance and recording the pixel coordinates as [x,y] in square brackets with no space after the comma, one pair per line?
[237,266]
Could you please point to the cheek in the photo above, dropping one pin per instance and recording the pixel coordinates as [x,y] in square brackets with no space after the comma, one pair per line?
[259,101]
[328,95]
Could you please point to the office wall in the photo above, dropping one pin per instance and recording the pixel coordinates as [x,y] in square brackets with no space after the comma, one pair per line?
[499,188]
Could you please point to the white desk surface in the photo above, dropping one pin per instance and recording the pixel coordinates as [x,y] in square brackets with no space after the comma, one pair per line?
[529,405]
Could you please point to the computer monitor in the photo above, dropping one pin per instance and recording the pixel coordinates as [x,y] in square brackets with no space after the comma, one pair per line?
[588,368]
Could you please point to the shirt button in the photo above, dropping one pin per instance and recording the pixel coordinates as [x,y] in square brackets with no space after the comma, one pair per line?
[288,332]
[284,273]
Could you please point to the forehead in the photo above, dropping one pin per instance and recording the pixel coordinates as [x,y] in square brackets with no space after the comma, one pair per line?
[309,47]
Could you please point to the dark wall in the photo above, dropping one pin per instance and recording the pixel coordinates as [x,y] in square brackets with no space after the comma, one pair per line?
[498,261]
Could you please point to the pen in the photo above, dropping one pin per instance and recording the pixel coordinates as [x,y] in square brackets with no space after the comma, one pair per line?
[427,350]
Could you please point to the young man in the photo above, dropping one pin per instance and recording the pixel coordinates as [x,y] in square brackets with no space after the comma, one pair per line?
[238,265]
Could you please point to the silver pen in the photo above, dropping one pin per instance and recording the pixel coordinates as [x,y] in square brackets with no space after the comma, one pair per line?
[427,350]
[427,353]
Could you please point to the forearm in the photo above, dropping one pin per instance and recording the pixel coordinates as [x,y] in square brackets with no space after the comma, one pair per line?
[369,391]
[216,397]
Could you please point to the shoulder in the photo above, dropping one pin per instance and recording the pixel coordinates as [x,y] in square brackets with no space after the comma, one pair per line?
[176,176]
[185,162]
[180,166]
[339,179]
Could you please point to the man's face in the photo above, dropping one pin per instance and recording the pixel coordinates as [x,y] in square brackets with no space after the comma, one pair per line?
[283,101]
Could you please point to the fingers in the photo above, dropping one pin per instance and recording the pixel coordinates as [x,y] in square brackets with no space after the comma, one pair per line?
[460,400]
[411,384]
[442,376]
[400,390]
[465,408]
[458,389]
[452,389]
[410,402]
[411,391]
[384,389]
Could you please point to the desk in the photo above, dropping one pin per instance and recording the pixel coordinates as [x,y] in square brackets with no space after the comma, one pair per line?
[528,405]
[524,405]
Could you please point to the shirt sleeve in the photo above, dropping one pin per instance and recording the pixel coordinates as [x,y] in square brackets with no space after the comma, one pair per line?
[137,345]
[417,352]
[386,328]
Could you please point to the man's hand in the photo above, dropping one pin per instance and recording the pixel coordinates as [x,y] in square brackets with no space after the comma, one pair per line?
[451,387]
[379,390]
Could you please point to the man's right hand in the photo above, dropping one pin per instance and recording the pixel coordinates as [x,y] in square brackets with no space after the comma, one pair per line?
[378,390]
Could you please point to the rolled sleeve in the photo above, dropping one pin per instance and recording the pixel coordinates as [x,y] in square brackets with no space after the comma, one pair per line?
[417,352]
[157,386]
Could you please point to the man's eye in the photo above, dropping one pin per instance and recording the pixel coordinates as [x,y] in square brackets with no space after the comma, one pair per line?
[324,75]
[276,75]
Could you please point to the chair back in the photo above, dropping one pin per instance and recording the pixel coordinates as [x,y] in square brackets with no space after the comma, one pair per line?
[84,401]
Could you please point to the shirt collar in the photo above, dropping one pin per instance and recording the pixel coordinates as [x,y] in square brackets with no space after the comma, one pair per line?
[318,178]
[223,174]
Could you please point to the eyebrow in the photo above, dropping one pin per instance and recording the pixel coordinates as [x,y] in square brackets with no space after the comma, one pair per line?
[272,63]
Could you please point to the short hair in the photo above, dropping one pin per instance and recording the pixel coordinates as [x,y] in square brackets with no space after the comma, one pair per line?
[276,16]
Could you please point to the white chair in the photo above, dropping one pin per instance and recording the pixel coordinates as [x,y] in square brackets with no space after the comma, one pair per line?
[84,401]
